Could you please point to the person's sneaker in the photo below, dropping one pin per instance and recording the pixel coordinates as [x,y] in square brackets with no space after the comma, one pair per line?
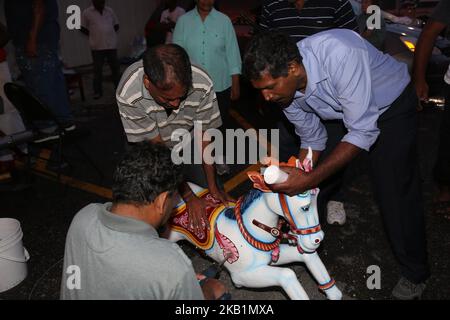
[336,213]
[406,290]
[46,136]
[69,126]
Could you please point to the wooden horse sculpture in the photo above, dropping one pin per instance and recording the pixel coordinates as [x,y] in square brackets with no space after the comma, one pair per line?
[249,237]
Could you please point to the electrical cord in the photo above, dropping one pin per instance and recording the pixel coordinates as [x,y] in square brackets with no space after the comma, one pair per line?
[45,273]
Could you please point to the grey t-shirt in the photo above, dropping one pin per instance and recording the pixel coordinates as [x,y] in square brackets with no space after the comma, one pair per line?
[122,258]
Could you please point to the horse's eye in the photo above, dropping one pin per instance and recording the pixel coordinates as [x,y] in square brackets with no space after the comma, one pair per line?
[305,209]
[304,194]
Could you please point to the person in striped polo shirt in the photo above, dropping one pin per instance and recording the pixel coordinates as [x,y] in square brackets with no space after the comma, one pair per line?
[163,93]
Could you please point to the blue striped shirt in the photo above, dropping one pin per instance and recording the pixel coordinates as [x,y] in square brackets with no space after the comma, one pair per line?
[348,79]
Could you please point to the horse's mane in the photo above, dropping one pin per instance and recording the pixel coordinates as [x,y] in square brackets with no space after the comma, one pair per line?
[247,201]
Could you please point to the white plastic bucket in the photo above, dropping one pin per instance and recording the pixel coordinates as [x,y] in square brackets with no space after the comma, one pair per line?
[13,256]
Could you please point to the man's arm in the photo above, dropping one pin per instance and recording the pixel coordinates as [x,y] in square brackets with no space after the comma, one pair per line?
[234,60]
[208,114]
[342,154]
[299,181]
[36,25]
[422,55]
[304,152]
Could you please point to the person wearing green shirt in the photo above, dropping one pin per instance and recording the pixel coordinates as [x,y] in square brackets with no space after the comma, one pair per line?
[209,38]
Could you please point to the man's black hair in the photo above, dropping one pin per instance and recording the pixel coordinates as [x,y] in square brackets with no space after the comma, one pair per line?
[145,172]
[162,60]
[270,52]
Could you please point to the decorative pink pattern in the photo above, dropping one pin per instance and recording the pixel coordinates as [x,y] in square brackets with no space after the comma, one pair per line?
[276,254]
[307,165]
[230,252]
[183,221]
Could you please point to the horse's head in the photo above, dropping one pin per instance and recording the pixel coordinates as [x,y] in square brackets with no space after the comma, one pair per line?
[299,211]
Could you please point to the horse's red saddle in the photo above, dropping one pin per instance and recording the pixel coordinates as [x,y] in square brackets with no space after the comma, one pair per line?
[180,222]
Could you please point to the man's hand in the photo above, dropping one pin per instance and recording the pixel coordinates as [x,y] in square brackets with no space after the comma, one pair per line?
[298,182]
[422,90]
[221,196]
[197,213]
[31,47]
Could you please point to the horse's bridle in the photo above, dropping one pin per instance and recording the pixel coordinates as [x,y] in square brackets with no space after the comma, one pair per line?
[288,215]
[274,247]
[275,232]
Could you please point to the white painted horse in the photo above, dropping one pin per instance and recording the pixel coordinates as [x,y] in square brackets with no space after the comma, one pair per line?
[248,237]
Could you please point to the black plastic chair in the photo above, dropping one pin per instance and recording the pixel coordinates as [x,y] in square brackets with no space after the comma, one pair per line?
[33,112]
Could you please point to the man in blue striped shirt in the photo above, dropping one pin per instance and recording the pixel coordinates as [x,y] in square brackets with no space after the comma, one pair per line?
[337,75]
[300,19]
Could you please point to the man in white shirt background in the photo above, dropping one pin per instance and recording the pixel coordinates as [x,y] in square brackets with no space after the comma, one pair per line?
[170,16]
[100,23]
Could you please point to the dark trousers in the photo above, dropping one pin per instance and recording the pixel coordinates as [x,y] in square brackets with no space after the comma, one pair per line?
[442,167]
[332,189]
[43,76]
[99,57]
[289,141]
[396,182]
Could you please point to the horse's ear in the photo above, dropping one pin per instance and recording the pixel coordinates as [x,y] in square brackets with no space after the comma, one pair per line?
[258,181]
[308,161]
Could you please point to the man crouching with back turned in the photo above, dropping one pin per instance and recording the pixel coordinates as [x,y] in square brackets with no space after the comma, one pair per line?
[113,250]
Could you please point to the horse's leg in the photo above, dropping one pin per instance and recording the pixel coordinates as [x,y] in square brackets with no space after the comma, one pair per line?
[320,273]
[288,254]
[315,265]
[267,276]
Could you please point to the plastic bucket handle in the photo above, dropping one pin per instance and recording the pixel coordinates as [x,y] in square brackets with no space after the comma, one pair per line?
[21,260]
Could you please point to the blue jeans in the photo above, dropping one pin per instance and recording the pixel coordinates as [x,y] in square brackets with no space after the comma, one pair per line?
[44,78]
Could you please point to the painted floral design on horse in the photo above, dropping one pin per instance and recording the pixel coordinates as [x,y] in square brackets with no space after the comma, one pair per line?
[252,242]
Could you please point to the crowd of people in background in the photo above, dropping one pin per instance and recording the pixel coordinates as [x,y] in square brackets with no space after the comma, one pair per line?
[191,72]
